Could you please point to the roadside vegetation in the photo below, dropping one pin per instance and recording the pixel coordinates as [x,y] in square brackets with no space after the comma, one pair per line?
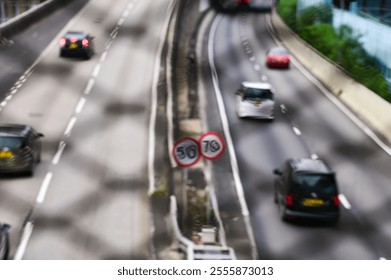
[342,45]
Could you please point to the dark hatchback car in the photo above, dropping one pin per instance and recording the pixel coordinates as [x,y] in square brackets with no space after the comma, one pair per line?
[4,241]
[77,44]
[20,149]
[306,189]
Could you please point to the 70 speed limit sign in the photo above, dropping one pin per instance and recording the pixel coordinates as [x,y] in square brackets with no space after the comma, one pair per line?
[188,151]
[212,145]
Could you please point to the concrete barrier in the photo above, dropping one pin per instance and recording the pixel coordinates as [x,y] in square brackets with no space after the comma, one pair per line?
[24,20]
[367,105]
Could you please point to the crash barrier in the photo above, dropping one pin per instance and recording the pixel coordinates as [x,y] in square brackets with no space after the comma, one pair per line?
[367,105]
[195,251]
[25,19]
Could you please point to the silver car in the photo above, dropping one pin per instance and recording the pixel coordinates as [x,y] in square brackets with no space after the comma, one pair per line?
[255,100]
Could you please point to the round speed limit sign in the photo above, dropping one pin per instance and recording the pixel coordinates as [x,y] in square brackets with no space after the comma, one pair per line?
[212,145]
[186,152]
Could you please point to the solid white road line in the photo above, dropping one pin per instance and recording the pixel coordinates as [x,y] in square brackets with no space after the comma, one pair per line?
[28,229]
[230,145]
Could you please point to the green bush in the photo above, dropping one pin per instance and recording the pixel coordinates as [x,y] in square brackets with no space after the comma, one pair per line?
[315,15]
[323,38]
[287,10]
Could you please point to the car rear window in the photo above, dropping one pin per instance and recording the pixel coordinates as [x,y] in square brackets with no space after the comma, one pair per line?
[257,93]
[75,35]
[278,51]
[323,184]
[11,142]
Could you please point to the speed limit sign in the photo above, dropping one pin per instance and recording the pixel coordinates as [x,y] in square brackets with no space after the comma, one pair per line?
[186,152]
[212,145]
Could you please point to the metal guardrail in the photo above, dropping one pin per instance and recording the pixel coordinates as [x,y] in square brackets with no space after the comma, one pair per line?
[194,251]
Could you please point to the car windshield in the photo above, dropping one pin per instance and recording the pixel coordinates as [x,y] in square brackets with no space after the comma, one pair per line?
[321,183]
[10,142]
[257,93]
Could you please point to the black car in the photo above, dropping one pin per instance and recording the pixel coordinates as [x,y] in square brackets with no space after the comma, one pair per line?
[20,148]
[77,44]
[306,188]
[4,241]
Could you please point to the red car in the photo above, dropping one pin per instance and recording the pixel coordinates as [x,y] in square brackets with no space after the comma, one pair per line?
[278,58]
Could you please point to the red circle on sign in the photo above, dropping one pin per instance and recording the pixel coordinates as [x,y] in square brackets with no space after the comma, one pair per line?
[180,150]
[214,138]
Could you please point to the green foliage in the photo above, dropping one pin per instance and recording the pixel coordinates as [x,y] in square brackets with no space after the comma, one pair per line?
[287,11]
[315,15]
[161,192]
[323,38]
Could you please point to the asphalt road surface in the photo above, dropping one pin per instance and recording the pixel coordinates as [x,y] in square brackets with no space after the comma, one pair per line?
[88,199]
[310,123]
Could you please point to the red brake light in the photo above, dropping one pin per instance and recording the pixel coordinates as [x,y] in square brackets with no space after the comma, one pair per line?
[73,39]
[289,200]
[336,200]
[63,41]
[85,42]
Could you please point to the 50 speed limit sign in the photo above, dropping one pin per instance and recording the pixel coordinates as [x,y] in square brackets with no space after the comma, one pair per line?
[212,145]
[186,152]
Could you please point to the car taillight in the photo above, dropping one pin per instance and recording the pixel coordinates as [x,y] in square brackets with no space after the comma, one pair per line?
[289,200]
[85,43]
[63,41]
[73,40]
[336,200]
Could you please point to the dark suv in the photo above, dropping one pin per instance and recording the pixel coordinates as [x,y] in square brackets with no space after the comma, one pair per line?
[20,148]
[306,188]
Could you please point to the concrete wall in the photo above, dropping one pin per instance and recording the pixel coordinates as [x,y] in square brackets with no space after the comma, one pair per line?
[371,108]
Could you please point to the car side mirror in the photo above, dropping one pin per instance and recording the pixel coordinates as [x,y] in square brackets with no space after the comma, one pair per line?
[277,172]
[40,135]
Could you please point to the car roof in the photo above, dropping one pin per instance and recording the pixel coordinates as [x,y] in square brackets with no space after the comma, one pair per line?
[256,85]
[14,129]
[310,165]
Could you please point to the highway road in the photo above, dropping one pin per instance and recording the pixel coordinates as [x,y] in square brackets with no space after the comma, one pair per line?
[88,199]
[234,50]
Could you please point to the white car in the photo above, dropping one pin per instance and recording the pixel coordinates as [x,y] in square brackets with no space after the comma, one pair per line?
[255,100]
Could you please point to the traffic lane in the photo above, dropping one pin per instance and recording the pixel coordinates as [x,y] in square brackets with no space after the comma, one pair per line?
[261,185]
[222,181]
[358,161]
[21,50]
[97,204]
[46,99]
